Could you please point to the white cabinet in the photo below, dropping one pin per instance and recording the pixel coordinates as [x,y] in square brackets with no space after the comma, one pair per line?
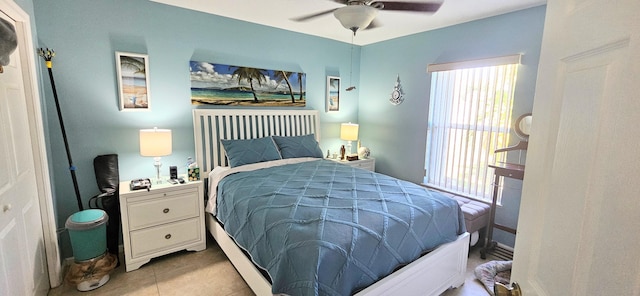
[367,164]
[163,220]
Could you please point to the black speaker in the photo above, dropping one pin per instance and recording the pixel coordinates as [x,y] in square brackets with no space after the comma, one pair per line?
[173,172]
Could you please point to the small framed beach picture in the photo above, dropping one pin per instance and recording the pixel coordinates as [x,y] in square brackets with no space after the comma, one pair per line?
[333,93]
[133,81]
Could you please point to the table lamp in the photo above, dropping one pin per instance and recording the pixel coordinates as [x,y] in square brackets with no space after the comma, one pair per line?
[156,143]
[349,132]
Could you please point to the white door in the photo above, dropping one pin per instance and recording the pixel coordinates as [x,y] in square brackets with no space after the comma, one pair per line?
[23,270]
[579,224]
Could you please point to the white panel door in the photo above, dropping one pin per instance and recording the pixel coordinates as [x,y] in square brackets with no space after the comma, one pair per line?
[579,224]
[23,269]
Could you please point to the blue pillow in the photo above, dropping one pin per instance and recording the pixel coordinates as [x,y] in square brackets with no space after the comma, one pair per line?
[298,146]
[241,152]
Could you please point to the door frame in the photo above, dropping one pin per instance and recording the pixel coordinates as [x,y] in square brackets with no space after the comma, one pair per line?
[37,136]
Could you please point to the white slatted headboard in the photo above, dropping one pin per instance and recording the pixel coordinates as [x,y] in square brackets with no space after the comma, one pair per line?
[212,125]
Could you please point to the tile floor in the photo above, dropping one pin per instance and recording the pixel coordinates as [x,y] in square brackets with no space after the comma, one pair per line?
[209,272]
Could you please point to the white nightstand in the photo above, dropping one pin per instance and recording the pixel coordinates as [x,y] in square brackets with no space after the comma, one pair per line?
[163,220]
[367,164]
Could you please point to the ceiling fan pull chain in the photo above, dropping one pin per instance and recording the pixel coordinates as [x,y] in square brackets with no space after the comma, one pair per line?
[351,86]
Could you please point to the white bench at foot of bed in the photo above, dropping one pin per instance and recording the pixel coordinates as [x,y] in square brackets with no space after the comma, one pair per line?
[431,274]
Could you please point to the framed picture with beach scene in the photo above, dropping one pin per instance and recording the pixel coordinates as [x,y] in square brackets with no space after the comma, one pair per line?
[226,85]
[133,81]
[333,93]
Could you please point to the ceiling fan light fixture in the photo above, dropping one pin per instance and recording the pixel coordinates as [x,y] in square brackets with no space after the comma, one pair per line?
[355,17]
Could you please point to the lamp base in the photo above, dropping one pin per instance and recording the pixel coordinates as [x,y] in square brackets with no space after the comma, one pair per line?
[157,164]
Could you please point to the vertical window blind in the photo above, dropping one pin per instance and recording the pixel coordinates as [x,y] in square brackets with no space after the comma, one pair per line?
[469,118]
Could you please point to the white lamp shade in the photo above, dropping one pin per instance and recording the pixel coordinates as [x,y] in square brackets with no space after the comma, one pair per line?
[349,131]
[155,142]
[354,17]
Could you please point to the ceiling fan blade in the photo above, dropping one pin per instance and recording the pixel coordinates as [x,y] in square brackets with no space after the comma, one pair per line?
[311,16]
[409,6]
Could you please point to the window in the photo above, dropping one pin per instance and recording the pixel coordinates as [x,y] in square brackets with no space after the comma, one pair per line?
[469,118]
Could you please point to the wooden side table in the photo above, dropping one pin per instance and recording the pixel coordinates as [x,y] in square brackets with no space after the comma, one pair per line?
[163,220]
[501,170]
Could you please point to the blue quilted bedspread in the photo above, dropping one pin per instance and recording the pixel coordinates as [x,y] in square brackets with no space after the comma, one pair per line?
[323,228]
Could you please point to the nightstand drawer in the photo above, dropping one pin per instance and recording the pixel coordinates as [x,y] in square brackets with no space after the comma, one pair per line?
[155,239]
[365,164]
[162,210]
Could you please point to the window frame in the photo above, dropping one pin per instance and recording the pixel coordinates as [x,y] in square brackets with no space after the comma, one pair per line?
[498,137]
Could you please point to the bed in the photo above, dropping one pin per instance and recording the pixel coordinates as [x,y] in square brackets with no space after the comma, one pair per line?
[422,268]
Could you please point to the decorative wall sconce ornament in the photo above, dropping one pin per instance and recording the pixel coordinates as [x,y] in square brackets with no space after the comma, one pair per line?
[397,95]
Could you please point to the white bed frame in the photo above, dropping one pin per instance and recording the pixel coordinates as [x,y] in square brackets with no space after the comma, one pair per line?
[431,274]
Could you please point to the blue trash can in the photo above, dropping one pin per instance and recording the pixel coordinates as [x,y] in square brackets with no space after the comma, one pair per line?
[88,233]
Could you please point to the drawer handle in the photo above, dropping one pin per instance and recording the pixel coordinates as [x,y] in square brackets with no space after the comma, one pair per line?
[168,236]
[166,210]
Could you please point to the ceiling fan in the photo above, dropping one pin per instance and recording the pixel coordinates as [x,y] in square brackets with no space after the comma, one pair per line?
[360,14]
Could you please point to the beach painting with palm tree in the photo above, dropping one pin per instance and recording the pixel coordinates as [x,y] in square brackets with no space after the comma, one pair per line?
[133,81]
[218,84]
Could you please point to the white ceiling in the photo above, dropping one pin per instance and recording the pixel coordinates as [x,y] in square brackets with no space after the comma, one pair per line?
[278,14]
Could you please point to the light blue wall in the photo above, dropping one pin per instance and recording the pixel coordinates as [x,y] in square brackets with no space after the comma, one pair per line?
[396,135]
[85,35]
